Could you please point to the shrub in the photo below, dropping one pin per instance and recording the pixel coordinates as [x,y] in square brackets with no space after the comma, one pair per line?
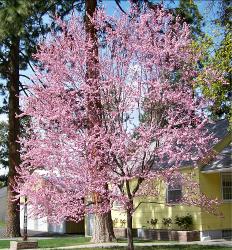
[167,222]
[184,222]
[153,222]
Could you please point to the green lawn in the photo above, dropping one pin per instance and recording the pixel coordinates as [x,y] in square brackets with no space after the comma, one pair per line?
[78,240]
[55,242]
[193,247]
[63,241]
[4,244]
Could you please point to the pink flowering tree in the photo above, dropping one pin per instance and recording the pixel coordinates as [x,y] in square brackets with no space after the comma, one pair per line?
[93,141]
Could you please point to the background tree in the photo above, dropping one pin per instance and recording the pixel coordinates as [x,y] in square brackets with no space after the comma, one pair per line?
[21,24]
[219,91]
[189,12]
[218,58]
[135,72]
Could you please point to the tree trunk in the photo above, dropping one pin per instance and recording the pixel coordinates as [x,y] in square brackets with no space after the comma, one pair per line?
[103,228]
[13,212]
[103,225]
[129,231]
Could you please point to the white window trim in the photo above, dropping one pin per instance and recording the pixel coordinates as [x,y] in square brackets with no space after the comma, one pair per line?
[224,174]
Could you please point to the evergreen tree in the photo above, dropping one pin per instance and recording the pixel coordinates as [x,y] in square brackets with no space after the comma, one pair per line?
[21,24]
[189,12]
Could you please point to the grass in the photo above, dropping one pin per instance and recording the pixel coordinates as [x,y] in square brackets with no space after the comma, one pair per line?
[193,247]
[66,241]
[54,242]
[4,244]
[79,240]
[63,241]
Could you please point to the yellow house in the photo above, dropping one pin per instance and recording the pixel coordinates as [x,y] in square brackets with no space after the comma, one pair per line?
[215,180]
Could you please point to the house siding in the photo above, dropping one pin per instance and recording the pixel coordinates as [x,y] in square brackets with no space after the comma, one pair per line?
[150,209]
[143,215]
[211,185]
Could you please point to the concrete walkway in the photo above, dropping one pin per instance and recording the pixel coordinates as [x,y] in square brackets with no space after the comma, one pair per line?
[222,243]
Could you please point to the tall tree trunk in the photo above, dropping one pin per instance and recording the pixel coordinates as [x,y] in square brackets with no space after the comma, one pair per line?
[13,212]
[103,228]
[129,231]
[103,225]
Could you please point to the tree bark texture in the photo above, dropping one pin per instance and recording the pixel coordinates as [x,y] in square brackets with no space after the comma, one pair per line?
[103,225]
[129,231]
[13,212]
[103,228]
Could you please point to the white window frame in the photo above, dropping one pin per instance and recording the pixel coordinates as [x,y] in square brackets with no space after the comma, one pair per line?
[225,174]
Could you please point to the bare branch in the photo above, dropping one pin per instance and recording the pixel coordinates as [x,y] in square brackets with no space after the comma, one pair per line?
[120,7]
[23,89]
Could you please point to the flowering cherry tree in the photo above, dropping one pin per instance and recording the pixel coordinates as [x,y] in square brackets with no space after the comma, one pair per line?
[110,137]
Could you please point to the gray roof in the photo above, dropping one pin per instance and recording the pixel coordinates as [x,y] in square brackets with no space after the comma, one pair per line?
[223,163]
[219,128]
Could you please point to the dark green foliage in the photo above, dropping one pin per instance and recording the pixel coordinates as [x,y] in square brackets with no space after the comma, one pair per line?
[189,13]
[184,222]
[153,222]
[167,222]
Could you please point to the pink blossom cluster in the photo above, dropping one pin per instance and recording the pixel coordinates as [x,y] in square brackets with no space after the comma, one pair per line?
[96,140]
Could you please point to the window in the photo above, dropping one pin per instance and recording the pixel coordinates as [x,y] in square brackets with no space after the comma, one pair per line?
[117,204]
[174,193]
[227,187]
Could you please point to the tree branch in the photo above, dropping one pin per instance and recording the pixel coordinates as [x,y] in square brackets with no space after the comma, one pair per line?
[120,7]
[23,89]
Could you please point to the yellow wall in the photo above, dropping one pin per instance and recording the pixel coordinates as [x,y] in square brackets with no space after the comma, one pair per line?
[210,184]
[147,211]
[151,210]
